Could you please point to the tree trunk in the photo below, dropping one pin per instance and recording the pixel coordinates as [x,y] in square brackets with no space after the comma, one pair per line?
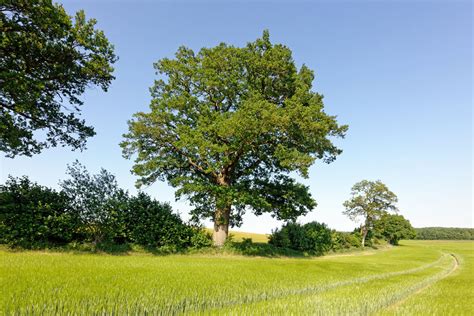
[364,234]
[220,234]
[222,214]
[221,226]
[364,229]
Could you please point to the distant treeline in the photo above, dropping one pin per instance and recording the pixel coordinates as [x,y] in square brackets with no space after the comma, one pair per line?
[450,233]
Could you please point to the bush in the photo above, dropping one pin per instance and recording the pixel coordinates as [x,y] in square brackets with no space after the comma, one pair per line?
[312,237]
[393,228]
[287,236]
[200,238]
[318,237]
[151,223]
[33,216]
[91,208]
[344,240]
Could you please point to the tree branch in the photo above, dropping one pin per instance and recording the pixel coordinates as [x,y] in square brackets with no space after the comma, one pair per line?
[198,168]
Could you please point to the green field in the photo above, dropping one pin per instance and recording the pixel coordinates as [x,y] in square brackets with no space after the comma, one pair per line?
[418,277]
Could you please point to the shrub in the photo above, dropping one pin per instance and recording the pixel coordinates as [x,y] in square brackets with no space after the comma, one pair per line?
[32,215]
[393,228]
[312,237]
[318,237]
[200,238]
[152,223]
[345,240]
[91,208]
[288,236]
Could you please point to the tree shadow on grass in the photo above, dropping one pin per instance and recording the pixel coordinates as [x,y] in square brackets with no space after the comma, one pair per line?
[249,248]
[244,248]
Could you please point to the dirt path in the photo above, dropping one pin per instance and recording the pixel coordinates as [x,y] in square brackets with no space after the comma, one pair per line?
[396,304]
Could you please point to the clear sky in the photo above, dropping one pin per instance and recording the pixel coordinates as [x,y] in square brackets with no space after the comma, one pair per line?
[399,73]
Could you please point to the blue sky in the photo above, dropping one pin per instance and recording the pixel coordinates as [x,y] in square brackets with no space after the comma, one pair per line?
[399,73]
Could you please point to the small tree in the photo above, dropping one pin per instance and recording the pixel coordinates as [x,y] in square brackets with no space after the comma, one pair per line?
[227,125]
[370,200]
[98,201]
[47,56]
[394,228]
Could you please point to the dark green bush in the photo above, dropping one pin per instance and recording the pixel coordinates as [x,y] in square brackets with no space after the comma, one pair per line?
[289,236]
[318,237]
[152,223]
[393,228]
[33,216]
[312,237]
[91,209]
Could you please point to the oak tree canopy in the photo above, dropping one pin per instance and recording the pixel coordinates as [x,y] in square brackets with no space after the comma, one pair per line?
[228,126]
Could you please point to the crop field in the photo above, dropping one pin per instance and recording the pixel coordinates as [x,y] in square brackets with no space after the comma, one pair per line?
[418,277]
[238,236]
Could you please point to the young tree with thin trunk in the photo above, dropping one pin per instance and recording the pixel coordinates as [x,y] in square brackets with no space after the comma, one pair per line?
[226,127]
[370,200]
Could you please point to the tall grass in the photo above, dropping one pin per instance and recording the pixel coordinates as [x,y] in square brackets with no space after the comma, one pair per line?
[387,281]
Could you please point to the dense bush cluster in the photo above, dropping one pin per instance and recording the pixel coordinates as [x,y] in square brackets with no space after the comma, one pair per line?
[393,228]
[89,208]
[312,237]
[317,238]
[33,214]
[345,240]
[444,233]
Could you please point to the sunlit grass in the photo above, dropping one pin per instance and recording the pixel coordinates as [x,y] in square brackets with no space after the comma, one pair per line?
[417,276]
[238,236]
[453,295]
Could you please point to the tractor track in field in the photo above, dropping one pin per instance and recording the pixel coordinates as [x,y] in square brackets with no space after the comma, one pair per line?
[312,289]
[420,287]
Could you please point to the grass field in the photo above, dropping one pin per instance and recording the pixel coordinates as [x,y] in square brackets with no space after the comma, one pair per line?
[419,277]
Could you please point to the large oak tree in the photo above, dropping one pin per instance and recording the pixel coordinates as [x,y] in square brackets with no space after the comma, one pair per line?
[227,126]
[47,60]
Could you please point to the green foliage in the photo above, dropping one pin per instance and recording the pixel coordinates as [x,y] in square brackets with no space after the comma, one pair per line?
[91,208]
[98,201]
[287,236]
[344,240]
[393,228]
[200,238]
[318,237]
[32,215]
[227,124]
[249,248]
[313,237]
[369,201]
[47,56]
[444,233]
[151,223]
